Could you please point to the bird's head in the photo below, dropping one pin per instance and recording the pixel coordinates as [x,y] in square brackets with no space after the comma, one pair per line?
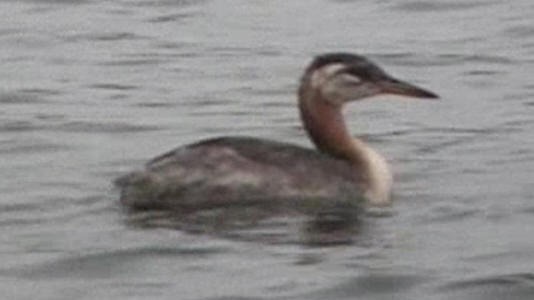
[343,77]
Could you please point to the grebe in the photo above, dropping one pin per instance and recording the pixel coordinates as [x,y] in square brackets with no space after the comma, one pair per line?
[228,171]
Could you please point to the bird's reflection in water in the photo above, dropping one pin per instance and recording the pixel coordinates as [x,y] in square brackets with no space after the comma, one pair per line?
[306,222]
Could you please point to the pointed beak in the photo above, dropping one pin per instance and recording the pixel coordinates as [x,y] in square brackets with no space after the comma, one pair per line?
[398,87]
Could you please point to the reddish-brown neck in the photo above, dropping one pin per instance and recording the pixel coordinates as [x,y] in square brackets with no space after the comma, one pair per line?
[323,121]
[325,126]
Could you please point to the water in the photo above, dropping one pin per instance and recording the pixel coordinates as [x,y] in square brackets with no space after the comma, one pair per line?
[92,89]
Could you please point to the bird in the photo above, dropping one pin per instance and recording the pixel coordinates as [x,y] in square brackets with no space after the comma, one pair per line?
[231,171]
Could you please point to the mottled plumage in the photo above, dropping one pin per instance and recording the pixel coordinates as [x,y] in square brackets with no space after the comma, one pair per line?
[237,171]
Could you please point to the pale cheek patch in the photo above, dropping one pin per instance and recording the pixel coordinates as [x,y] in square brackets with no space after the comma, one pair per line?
[337,87]
[322,75]
[335,94]
[338,92]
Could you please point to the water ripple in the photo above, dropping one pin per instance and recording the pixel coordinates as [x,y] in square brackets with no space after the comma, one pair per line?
[433,6]
[372,285]
[520,31]
[168,3]
[514,280]
[174,17]
[131,62]
[24,97]
[104,37]
[62,2]
[18,125]
[109,127]
[30,146]
[72,126]
[113,86]
[447,59]
[449,213]
[112,263]
[57,209]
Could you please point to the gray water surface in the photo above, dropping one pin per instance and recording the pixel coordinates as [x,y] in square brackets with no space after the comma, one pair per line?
[90,90]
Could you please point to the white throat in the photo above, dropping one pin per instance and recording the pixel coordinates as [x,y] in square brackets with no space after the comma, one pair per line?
[379,177]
